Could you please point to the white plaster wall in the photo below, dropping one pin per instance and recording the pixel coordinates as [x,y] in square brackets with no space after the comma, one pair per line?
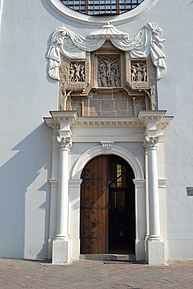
[25,151]
[175,95]
[27,94]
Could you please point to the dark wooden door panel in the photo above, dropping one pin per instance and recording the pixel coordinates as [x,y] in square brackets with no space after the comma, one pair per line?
[93,207]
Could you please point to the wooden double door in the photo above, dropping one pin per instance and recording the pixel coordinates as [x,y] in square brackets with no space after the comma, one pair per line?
[107,206]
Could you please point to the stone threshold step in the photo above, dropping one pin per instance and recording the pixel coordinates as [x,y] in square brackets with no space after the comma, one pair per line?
[108,257]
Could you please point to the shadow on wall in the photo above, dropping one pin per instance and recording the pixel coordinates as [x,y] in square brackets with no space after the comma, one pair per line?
[25,194]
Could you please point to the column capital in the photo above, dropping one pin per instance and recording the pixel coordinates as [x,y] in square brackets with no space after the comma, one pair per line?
[65,142]
[151,142]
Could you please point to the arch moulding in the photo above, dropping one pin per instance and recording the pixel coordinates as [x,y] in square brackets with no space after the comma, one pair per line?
[98,150]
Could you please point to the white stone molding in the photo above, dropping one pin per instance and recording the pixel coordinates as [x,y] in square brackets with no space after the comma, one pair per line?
[107,147]
[98,150]
[73,46]
[53,183]
[75,183]
[139,183]
[93,20]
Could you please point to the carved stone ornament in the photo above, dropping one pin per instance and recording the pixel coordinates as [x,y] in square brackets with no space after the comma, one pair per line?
[146,42]
[151,142]
[65,142]
[107,147]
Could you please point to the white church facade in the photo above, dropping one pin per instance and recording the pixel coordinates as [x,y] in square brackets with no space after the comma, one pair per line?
[96,147]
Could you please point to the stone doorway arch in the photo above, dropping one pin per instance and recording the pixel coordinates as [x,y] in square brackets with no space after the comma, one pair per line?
[140,204]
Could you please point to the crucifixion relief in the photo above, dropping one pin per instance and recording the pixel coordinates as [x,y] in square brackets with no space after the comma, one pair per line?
[108,72]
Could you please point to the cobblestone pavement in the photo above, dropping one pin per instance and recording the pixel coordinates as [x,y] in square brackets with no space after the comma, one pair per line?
[15,274]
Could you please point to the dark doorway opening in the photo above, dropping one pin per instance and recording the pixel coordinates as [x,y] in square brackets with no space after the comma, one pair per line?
[121,207]
[107,207]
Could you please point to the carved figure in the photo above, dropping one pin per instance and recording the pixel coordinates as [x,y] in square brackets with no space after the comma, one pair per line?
[139,75]
[144,72]
[82,73]
[102,75]
[72,72]
[133,73]
[77,72]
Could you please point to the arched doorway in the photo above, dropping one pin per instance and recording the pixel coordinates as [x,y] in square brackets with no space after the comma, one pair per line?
[107,206]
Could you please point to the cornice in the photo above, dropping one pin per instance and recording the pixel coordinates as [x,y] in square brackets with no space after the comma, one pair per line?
[58,117]
[155,116]
[141,121]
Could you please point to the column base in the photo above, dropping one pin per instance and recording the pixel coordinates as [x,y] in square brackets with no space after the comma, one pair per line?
[155,252]
[61,251]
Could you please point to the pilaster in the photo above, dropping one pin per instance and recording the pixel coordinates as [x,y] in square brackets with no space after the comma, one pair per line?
[140,218]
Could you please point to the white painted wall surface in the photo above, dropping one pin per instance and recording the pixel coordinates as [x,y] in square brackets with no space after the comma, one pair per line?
[28,94]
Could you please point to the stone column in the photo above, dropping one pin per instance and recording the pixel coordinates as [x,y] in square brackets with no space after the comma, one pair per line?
[155,250]
[61,243]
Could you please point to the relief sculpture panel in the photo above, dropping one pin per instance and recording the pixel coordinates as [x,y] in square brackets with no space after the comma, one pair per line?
[138,71]
[77,72]
[108,72]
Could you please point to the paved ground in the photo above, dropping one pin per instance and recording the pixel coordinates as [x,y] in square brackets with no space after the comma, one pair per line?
[15,274]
